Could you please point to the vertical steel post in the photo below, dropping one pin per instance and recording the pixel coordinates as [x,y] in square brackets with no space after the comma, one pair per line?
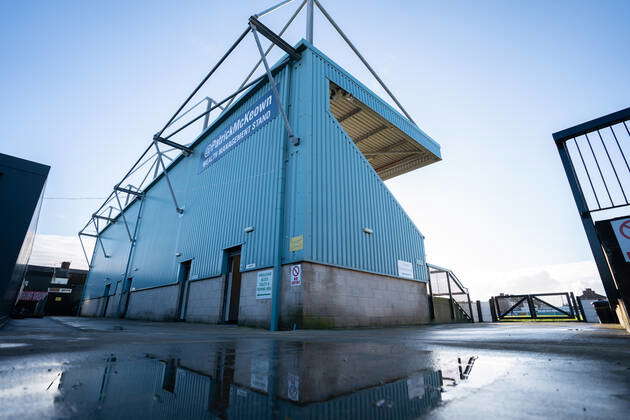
[493,309]
[532,307]
[280,246]
[431,307]
[450,294]
[589,227]
[574,313]
[309,21]
[479,312]
[472,318]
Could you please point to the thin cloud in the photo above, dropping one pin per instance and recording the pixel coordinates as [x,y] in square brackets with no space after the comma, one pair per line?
[52,250]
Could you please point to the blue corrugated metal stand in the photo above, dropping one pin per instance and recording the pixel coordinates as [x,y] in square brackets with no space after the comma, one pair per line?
[325,204]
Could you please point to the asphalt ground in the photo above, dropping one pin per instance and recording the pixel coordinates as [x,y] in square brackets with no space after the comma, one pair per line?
[65,367]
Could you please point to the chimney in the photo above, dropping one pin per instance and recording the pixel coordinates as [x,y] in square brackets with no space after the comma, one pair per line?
[65,265]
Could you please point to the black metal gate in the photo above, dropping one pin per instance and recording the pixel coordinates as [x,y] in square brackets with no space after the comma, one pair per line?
[541,306]
[596,158]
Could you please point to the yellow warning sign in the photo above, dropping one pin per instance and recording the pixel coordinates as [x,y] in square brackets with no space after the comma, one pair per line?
[297,243]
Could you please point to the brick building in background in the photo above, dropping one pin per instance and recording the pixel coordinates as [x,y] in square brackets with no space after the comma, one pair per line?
[50,291]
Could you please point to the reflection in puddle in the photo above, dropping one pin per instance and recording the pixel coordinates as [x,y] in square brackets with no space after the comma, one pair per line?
[12,345]
[287,380]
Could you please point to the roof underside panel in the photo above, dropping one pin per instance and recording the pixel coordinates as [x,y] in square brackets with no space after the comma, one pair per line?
[390,151]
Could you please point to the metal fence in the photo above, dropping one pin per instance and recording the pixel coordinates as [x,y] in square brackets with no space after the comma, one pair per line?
[540,306]
[443,283]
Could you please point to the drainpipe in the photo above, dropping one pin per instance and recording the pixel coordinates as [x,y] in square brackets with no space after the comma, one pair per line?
[280,210]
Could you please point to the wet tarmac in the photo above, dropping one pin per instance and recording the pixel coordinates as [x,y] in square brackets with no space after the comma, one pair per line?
[101,369]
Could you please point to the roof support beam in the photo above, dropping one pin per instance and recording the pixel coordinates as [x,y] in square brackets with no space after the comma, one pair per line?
[282,31]
[370,134]
[273,8]
[122,214]
[98,238]
[205,79]
[274,88]
[271,36]
[83,248]
[404,152]
[349,114]
[128,191]
[98,216]
[393,164]
[185,150]
[168,179]
[363,60]
[88,234]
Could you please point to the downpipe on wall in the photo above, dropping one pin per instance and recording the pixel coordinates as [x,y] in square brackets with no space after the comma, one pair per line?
[280,211]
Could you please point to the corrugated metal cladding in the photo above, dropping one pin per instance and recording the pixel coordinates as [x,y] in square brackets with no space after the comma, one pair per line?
[336,192]
[235,192]
[332,194]
[116,243]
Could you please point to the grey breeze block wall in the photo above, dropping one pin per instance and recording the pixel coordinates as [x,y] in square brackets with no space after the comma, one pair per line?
[337,297]
[329,297]
[158,304]
[333,297]
[205,299]
[91,307]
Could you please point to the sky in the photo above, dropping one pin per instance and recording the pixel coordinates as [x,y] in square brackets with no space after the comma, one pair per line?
[87,84]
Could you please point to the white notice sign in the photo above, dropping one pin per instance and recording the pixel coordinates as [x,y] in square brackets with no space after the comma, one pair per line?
[405,269]
[264,282]
[260,374]
[621,228]
[293,387]
[295,275]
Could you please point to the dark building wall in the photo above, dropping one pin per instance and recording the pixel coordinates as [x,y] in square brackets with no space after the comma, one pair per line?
[21,189]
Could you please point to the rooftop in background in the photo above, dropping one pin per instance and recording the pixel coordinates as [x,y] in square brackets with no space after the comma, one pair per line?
[590,294]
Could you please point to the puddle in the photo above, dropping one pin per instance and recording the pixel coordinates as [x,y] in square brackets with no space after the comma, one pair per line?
[246,379]
[12,345]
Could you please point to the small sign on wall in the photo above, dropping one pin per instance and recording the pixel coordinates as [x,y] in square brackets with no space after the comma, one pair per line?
[295,275]
[296,243]
[405,269]
[293,387]
[264,283]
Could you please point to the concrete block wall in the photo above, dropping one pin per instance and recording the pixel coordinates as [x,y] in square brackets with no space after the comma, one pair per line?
[292,300]
[252,312]
[337,297]
[329,297]
[112,306]
[92,307]
[158,304]
[205,300]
